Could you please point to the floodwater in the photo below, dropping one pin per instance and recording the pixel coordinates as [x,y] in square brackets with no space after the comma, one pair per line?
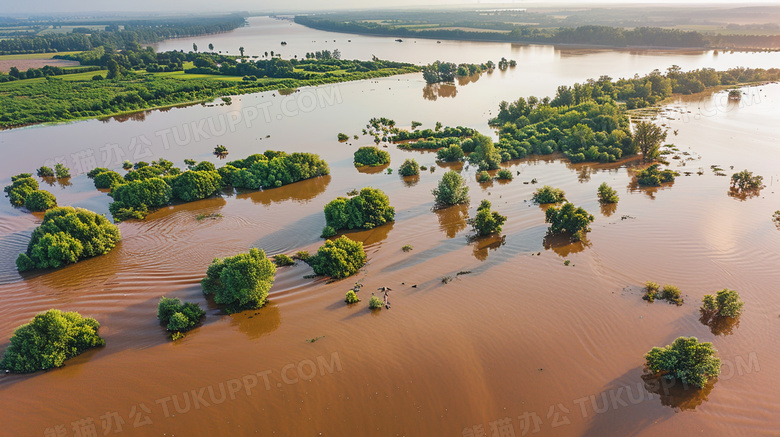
[521,340]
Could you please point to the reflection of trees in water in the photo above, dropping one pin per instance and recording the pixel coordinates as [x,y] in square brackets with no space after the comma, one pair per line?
[719,325]
[302,191]
[371,236]
[482,246]
[433,91]
[367,169]
[456,166]
[64,182]
[465,80]
[452,219]
[410,181]
[256,323]
[607,209]
[743,195]
[676,394]
[634,187]
[134,116]
[562,244]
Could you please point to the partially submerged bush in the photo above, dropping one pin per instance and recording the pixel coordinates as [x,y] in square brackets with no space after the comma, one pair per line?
[283,260]
[139,196]
[367,210]
[685,359]
[302,255]
[351,297]
[487,222]
[452,190]
[745,181]
[669,293]
[453,153]
[567,218]
[45,172]
[726,303]
[375,303]
[407,248]
[240,282]
[108,179]
[371,156]
[196,184]
[61,171]
[40,200]
[505,174]
[48,340]
[652,177]
[409,168]
[339,258]
[177,316]
[328,232]
[607,194]
[22,185]
[66,236]
[343,137]
[483,176]
[548,194]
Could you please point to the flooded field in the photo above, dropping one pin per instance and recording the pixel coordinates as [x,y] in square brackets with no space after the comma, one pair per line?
[516,338]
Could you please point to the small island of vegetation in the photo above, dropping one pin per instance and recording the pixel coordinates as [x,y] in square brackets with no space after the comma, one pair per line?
[240,282]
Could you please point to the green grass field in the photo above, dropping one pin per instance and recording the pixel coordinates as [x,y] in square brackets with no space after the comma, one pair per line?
[33,56]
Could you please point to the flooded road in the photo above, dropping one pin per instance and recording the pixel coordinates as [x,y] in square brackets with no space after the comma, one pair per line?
[521,340]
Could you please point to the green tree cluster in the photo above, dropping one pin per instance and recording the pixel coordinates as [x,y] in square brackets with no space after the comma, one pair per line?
[686,359]
[177,316]
[370,208]
[487,222]
[548,194]
[410,167]
[452,153]
[726,303]
[371,156]
[568,218]
[48,340]
[338,258]
[240,282]
[40,200]
[66,236]
[607,194]
[653,177]
[452,190]
[22,185]
[272,169]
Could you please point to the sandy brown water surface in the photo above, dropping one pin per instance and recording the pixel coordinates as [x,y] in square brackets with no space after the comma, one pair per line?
[555,349]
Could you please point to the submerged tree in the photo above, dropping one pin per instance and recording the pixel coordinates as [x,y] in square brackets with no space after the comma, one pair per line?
[240,282]
[568,218]
[648,138]
[452,190]
[487,222]
[338,258]
[686,359]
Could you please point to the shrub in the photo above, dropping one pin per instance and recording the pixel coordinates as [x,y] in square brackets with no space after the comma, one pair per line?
[607,194]
[487,222]
[686,359]
[220,149]
[240,282]
[375,303]
[483,176]
[274,169]
[61,171]
[726,303]
[367,210]
[108,179]
[548,194]
[45,172]
[127,165]
[505,174]
[40,200]
[352,297]
[652,177]
[196,184]
[48,340]
[302,255]
[485,156]
[745,181]
[328,232]
[139,196]
[66,236]
[651,291]
[452,190]
[96,171]
[407,248]
[672,294]
[339,258]
[343,137]
[409,168]
[283,260]
[569,219]
[371,156]
[179,317]
[22,185]
[452,153]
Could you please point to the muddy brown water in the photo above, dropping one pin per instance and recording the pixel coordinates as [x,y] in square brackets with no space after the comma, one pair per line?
[521,336]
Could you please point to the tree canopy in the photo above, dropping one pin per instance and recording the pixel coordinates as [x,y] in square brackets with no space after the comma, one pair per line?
[66,236]
[686,359]
[370,208]
[568,218]
[371,156]
[338,258]
[48,340]
[452,190]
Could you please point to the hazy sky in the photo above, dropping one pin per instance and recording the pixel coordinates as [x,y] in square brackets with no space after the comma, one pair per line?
[40,7]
